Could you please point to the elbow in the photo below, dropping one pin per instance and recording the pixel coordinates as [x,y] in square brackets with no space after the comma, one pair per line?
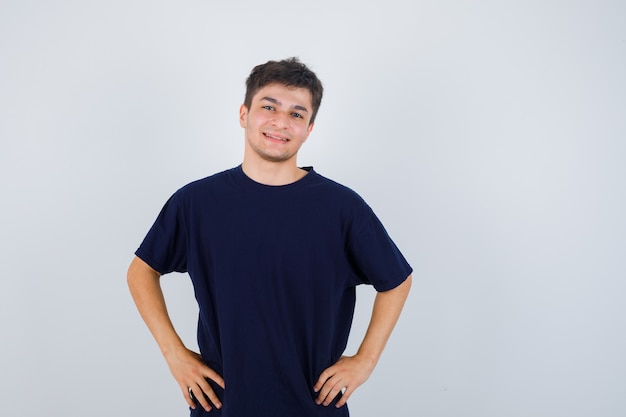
[408,282]
[138,271]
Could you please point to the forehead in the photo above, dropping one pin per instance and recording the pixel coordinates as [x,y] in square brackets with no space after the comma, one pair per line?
[288,96]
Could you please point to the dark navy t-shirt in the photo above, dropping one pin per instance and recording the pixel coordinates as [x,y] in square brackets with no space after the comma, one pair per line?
[274,270]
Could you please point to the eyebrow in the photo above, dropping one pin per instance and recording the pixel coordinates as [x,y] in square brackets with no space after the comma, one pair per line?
[278,103]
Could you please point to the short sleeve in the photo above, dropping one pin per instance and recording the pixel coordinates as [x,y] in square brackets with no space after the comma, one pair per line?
[165,246]
[376,258]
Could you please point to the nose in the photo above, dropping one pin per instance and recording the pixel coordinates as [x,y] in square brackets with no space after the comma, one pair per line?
[280,120]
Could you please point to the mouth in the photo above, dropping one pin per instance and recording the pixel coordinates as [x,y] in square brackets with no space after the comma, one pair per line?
[276,137]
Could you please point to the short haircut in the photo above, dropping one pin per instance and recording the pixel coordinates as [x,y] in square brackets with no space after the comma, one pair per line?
[289,72]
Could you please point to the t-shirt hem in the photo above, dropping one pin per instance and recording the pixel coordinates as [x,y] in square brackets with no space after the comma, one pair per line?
[394,282]
[150,261]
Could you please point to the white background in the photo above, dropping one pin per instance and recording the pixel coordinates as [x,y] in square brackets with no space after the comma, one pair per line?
[489,137]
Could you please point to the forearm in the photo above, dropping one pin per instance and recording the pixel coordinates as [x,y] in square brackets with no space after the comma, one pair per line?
[349,372]
[145,288]
[385,313]
[186,366]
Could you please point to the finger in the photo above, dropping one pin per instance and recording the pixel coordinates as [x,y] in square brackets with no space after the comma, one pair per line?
[344,398]
[327,373]
[215,377]
[188,399]
[329,391]
[332,394]
[209,392]
[323,391]
[198,394]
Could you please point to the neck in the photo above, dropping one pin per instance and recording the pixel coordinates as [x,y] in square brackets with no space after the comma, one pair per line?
[272,173]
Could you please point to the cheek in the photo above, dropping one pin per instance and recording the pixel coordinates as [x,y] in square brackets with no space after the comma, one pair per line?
[300,128]
[304,132]
[261,120]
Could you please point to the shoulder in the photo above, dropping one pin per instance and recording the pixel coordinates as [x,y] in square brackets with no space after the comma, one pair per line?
[340,199]
[202,185]
[203,190]
[342,192]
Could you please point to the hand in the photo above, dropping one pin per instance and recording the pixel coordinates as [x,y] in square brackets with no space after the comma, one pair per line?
[348,373]
[191,372]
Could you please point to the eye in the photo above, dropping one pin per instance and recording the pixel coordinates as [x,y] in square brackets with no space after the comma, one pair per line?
[268,107]
[298,115]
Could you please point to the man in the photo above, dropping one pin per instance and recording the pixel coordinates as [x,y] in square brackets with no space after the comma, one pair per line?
[274,252]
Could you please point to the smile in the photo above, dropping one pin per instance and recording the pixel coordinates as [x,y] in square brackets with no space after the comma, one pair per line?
[280,138]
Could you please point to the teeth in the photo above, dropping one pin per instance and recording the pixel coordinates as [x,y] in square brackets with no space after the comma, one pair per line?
[277,138]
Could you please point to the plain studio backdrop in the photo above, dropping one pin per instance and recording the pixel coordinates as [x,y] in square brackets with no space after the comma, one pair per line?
[489,137]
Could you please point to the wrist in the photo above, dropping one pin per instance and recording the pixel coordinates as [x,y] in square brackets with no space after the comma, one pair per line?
[172,348]
[370,358]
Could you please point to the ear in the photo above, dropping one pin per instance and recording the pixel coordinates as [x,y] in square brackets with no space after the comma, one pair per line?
[243,115]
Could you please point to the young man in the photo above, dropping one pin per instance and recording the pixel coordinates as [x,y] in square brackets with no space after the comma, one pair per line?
[274,253]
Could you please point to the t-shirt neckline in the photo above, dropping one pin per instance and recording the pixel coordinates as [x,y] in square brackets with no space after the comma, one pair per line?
[252,183]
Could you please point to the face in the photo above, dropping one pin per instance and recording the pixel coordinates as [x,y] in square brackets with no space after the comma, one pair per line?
[277,122]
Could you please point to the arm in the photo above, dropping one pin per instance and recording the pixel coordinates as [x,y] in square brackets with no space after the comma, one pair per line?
[351,371]
[186,366]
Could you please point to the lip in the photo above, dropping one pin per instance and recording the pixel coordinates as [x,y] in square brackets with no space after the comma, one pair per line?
[276,137]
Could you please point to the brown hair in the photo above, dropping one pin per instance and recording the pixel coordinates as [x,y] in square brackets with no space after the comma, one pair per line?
[288,72]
